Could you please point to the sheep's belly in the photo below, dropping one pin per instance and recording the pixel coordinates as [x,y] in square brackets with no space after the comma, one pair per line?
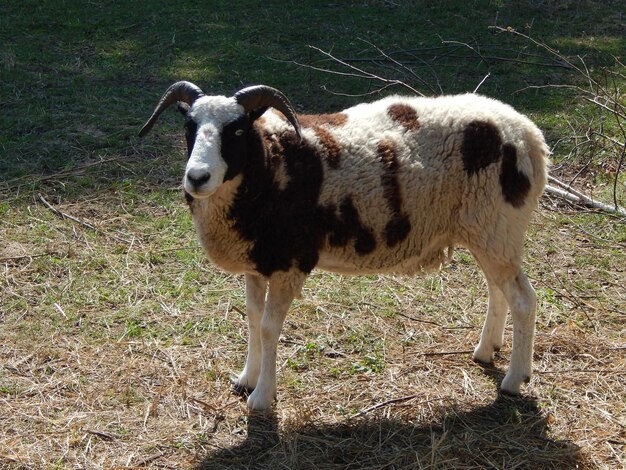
[384,263]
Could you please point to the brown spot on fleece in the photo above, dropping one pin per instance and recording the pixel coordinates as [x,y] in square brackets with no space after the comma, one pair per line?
[405,115]
[398,228]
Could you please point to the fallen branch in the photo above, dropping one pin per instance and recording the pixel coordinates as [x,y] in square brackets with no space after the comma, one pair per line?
[570,194]
[605,99]
[72,171]
[444,353]
[103,435]
[582,371]
[151,458]
[29,257]
[392,402]
[64,215]
[384,403]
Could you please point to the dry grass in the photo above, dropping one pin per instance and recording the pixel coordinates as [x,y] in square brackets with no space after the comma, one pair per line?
[117,341]
[117,354]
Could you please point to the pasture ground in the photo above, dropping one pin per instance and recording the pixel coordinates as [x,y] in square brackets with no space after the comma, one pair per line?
[117,337]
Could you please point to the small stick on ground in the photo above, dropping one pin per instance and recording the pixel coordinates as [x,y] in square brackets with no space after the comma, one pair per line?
[103,435]
[147,460]
[444,353]
[19,258]
[391,402]
[64,215]
[384,403]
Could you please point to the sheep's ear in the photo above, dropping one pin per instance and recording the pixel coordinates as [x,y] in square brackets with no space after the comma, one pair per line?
[257,113]
[183,108]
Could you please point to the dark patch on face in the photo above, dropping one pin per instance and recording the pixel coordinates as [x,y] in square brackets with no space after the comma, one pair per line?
[481,146]
[189,200]
[315,120]
[515,184]
[398,228]
[234,146]
[331,145]
[405,115]
[191,130]
[285,223]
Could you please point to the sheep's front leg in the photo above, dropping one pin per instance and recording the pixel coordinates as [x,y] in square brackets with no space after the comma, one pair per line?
[278,301]
[256,288]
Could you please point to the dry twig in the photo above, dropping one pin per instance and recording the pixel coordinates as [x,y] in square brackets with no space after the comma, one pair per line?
[393,401]
[64,215]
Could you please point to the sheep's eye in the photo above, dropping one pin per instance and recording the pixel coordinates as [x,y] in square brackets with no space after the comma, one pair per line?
[239,132]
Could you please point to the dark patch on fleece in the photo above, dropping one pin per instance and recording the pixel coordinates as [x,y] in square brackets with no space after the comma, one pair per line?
[481,146]
[347,226]
[399,226]
[405,115]
[515,184]
[288,226]
[315,120]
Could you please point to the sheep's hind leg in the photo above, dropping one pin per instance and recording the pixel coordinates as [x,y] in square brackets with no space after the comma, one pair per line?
[278,301]
[492,335]
[522,300]
[508,284]
[256,288]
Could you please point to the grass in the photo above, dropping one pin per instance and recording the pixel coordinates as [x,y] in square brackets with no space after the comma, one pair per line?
[117,342]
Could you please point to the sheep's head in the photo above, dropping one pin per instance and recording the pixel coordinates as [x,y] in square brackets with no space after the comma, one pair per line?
[216,130]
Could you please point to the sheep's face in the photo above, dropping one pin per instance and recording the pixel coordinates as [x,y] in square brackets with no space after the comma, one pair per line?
[216,129]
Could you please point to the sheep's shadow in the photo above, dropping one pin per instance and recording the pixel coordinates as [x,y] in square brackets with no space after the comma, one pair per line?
[508,433]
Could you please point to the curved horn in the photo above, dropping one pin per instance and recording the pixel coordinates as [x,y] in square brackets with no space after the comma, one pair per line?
[179,91]
[258,96]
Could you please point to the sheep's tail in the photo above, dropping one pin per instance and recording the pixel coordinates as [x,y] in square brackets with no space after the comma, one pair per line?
[538,154]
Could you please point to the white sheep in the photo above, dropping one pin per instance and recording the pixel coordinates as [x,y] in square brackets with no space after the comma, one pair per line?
[390,186]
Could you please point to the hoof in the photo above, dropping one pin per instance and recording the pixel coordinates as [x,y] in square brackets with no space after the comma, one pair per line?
[509,393]
[483,355]
[511,386]
[479,360]
[242,390]
[260,403]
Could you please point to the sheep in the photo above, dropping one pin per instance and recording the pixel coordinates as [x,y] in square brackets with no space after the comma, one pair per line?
[390,186]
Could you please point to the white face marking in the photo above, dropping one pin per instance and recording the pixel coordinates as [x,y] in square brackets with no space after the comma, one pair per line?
[206,168]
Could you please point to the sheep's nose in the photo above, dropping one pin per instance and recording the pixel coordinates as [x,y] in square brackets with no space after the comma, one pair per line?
[198,176]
